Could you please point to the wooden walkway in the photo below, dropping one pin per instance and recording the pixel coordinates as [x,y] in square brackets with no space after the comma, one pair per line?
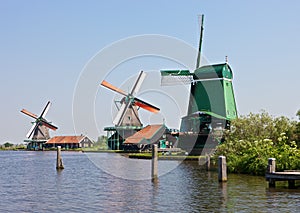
[272,176]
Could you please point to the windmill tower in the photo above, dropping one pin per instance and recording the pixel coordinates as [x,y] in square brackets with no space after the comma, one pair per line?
[39,132]
[127,121]
[211,106]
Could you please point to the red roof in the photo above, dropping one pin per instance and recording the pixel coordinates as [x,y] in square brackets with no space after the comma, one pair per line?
[149,134]
[65,139]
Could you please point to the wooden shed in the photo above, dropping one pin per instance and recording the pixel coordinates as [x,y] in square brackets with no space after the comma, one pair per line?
[151,134]
[70,142]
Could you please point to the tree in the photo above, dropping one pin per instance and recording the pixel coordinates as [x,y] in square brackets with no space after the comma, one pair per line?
[296,135]
[7,144]
[101,142]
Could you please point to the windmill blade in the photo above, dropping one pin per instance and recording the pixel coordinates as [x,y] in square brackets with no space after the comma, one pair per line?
[118,119]
[45,109]
[113,88]
[145,105]
[119,114]
[29,113]
[49,125]
[138,83]
[123,112]
[32,129]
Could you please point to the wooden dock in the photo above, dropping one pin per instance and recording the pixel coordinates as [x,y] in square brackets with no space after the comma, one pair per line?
[272,176]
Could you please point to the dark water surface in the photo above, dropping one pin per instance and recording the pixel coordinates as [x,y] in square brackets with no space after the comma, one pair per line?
[29,182]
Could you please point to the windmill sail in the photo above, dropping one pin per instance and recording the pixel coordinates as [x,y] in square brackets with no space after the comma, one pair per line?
[45,110]
[26,112]
[127,114]
[31,131]
[201,21]
[40,127]
[118,118]
[49,125]
[113,88]
[175,77]
[138,83]
[145,105]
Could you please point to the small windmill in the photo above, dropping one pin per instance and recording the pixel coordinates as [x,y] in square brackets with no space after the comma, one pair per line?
[128,112]
[39,132]
[127,121]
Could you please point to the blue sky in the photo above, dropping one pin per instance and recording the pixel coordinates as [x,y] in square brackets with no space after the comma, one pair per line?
[45,45]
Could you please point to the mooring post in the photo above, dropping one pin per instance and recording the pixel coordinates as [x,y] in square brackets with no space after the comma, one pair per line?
[59,164]
[271,165]
[271,169]
[222,169]
[154,171]
[207,162]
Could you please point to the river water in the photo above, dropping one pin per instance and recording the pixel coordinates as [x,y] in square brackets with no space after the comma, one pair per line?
[102,182]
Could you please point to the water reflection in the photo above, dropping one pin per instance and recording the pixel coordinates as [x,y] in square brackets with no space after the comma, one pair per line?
[127,168]
[224,199]
[29,182]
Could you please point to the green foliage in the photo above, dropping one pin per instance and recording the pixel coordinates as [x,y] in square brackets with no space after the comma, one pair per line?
[296,136]
[257,137]
[259,127]
[7,144]
[101,143]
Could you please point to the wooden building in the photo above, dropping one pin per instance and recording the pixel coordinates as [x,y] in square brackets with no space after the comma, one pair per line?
[151,134]
[69,142]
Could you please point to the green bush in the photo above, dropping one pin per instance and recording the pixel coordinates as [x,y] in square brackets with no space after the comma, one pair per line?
[257,137]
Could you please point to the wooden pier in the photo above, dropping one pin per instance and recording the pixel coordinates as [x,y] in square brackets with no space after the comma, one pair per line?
[272,176]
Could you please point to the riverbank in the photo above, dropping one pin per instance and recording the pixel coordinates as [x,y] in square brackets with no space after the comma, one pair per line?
[177,156]
[164,156]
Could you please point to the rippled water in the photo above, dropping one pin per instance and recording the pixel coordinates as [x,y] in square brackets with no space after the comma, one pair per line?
[29,182]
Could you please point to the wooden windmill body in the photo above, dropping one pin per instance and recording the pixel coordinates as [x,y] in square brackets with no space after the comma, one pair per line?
[131,117]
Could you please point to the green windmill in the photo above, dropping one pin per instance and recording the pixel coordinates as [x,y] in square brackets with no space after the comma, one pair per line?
[211,105]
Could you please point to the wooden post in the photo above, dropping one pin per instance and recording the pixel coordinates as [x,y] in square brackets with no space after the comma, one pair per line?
[59,164]
[154,171]
[222,169]
[271,165]
[207,162]
[271,169]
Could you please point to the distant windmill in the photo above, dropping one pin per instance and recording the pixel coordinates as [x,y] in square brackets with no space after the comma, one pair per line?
[40,128]
[128,112]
